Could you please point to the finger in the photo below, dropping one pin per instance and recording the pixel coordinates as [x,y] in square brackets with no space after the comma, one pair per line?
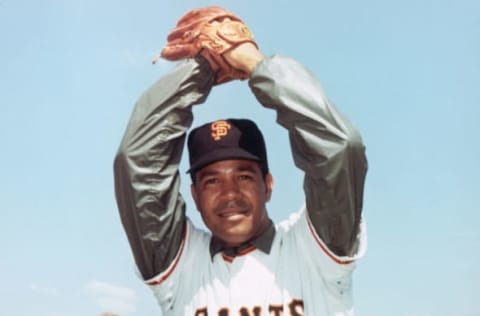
[179,51]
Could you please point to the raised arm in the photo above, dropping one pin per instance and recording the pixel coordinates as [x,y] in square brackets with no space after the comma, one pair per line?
[146,166]
[324,145]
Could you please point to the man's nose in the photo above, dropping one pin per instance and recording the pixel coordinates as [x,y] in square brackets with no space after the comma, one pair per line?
[231,187]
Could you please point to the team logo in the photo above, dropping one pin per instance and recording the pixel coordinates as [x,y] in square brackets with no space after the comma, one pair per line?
[220,129]
[293,308]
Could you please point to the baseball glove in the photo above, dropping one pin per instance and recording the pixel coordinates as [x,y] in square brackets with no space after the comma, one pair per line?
[209,32]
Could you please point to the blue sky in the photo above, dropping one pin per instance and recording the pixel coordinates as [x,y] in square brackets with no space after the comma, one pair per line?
[407,73]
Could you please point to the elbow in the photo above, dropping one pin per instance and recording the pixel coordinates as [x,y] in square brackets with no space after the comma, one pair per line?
[352,152]
[353,140]
[353,146]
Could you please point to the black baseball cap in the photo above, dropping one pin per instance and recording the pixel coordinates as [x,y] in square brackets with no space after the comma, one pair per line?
[226,139]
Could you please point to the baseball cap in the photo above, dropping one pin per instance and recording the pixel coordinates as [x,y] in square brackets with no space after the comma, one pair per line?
[226,139]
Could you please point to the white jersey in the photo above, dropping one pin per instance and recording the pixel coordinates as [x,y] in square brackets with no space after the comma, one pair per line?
[300,276]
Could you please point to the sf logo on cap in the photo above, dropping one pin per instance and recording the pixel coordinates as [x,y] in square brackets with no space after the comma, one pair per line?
[219,129]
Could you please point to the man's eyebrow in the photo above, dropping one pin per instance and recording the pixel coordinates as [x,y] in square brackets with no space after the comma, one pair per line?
[203,174]
[249,168]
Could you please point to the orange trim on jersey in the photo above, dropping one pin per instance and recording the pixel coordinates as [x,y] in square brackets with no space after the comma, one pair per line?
[324,247]
[227,258]
[170,270]
[241,253]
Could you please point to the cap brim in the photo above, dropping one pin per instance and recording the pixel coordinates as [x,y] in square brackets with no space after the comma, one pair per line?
[221,154]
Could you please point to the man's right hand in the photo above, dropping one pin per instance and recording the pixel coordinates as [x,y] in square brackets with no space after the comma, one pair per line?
[244,57]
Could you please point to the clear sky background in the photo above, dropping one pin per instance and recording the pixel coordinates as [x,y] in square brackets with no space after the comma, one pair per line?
[407,73]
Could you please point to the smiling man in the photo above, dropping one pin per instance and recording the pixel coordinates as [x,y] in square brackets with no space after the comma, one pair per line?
[245,265]
[230,180]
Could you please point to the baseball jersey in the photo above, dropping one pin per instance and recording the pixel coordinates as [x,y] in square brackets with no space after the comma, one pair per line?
[308,268]
[299,276]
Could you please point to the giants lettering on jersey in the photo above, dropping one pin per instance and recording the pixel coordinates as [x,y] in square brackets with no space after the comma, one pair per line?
[295,308]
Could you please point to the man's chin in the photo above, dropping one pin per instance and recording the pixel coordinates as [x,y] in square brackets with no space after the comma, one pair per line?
[236,237]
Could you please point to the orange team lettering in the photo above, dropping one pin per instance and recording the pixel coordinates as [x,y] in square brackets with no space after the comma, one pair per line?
[295,308]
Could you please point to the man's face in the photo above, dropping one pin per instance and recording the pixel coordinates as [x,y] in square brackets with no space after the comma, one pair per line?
[231,197]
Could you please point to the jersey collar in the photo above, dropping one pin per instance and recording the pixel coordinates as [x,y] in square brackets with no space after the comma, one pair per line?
[262,242]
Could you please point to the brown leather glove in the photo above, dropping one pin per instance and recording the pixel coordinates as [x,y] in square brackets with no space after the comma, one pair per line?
[209,32]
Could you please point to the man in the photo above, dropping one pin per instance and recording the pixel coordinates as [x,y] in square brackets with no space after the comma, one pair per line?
[246,265]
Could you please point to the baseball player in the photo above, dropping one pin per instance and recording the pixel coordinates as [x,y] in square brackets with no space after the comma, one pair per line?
[244,265]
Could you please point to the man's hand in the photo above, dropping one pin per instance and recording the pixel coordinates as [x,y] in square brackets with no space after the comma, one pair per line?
[244,57]
[217,35]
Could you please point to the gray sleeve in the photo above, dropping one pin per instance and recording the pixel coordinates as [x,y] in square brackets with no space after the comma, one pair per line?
[324,145]
[146,172]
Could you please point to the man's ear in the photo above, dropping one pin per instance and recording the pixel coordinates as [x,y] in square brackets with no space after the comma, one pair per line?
[194,196]
[268,186]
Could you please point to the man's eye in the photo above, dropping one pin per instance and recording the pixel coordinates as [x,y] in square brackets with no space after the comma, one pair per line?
[210,181]
[245,177]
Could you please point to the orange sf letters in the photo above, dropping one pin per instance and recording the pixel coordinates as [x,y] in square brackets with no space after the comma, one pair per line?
[220,129]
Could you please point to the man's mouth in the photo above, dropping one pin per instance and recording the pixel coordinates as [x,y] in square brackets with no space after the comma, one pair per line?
[232,213]
[232,210]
